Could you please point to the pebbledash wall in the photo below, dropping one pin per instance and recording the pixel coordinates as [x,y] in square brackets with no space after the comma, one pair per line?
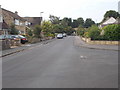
[89,41]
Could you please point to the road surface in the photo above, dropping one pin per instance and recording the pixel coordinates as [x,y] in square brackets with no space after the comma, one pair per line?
[61,64]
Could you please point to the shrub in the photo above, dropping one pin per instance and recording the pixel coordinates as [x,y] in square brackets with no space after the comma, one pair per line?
[37,31]
[94,32]
[30,33]
[81,31]
[112,32]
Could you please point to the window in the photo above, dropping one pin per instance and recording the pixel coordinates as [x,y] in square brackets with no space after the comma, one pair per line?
[17,22]
[1,18]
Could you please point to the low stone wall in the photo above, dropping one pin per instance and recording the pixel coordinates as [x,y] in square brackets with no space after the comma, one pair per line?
[15,42]
[5,44]
[89,41]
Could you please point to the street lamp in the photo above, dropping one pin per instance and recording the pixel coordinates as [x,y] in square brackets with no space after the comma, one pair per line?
[41,17]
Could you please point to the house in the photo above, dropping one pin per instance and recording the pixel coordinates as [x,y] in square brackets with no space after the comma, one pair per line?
[4,28]
[13,18]
[33,21]
[110,21]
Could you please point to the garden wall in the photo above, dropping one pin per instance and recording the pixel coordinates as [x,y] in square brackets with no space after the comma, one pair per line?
[89,41]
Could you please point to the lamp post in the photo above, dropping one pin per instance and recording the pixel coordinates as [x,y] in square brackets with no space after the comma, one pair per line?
[41,17]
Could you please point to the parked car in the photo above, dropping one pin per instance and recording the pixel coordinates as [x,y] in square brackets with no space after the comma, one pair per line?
[64,35]
[22,38]
[59,36]
[3,37]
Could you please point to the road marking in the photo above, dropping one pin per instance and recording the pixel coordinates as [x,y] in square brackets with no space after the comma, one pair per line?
[83,57]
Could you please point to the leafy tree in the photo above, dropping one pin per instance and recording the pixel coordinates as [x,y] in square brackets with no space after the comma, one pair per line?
[69,30]
[69,21]
[54,19]
[13,31]
[88,23]
[111,13]
[37,31]
[75,23]
[80,21]
[57,28]
[81,31]
[47,28]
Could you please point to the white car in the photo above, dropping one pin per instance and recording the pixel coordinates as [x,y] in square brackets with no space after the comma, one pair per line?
[64,35]
[59,36]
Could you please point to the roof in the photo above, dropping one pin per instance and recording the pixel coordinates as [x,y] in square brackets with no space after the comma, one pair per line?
[109,21]
[16,16]
[3,25]
[34,20]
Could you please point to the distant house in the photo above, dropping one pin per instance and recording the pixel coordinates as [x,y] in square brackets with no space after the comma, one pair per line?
[33,21]
[110,21]
[13,18]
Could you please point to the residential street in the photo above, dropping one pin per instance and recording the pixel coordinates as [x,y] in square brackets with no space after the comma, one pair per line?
[61,64]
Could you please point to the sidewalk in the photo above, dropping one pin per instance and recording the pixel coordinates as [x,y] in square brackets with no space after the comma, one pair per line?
[22,48]
[79,42]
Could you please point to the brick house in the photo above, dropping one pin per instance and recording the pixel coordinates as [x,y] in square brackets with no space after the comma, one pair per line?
[13,18]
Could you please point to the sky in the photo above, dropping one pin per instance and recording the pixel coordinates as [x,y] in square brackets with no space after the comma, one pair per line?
[74,9]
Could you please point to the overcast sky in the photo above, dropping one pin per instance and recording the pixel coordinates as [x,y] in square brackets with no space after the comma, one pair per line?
[94,9]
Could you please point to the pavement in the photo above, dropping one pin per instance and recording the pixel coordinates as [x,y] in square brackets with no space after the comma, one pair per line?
[15,49]
[77,41]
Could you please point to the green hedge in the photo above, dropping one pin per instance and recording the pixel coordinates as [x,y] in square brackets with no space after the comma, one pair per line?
[94,33]
[112,32]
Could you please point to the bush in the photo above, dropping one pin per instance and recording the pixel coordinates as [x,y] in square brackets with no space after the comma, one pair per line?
[81,31]
[37,31]
[30,33]
[112,32]
[13,31]
[94,33]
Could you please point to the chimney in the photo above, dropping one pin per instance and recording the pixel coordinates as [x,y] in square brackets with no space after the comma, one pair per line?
[16,12]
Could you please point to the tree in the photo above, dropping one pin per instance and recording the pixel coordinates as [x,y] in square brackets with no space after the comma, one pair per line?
[75,23]
[80,21]
[54,19]
[88,23]
[37,31]
[13,31]
[47,27]
[111,13]
[81,31]
[57,28]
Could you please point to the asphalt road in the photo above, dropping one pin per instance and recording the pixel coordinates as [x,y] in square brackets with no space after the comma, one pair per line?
[61,64]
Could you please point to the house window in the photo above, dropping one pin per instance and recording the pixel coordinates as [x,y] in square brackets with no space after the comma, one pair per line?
[1,19]
[26,23]
[17,22]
